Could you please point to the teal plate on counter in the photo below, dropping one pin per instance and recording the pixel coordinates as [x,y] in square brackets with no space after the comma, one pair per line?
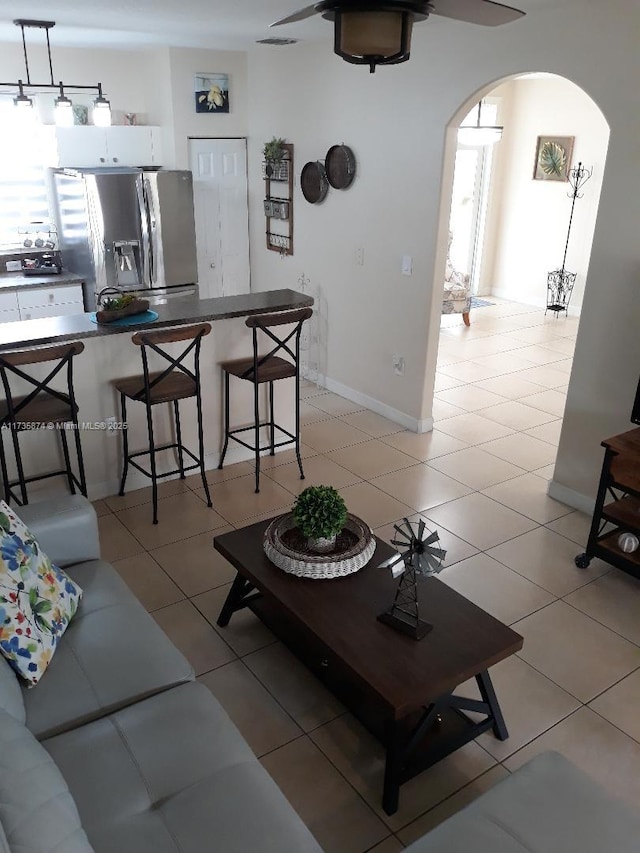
[131,320]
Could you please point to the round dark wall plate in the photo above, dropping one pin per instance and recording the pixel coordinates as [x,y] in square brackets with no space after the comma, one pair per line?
[313,182]
[340,165]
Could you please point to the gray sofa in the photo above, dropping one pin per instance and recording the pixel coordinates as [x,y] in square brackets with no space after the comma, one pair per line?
[118,749]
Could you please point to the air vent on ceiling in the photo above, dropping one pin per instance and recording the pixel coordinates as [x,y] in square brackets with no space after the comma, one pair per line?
[279,42]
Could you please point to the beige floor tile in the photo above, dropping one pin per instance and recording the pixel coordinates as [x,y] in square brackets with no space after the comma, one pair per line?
[620,705]
[373,505]
[371,423]
[566,346]
[245,633]
[512,386]
[319,470]
[310,389]
[549,401]
[565,366]
[333,404]
[547,559]
[310,414]
[574,526]
[194,636]
[473,428]
[101,508]
[475,468]
[217,475]
[541,354]
[523,450]
[179,517]
[442,382]
[283,457]
[144,496]
[599,749]
[528,495]
[263,723]
[530,703]
[338,818]
[538,335]
[453,804]
[613,600]
[546,472]
[331,435]
[506,362]
[116,542]
[424,445]
[194,564]
[147,581]
[371,459]
[516,415]
[545,375]
[504,594]
[580,655]
[549,432]
[469,371]
[294,686]
[480,521]
[421,487]
[457,549]
[360,758]
[236,499]
[470,398]
[441,410]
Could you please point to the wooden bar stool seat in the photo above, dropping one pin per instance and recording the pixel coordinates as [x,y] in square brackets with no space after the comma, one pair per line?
[43,406]
[176,382]
[267,368]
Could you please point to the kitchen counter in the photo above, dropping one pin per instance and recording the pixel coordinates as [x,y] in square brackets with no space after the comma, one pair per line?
[29,333]
[16,281]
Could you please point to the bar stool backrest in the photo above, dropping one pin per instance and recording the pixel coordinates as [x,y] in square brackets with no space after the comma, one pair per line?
[264,323]
[10,368]
[167,336]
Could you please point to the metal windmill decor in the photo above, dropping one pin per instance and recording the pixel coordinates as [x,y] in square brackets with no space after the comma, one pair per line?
[418,554]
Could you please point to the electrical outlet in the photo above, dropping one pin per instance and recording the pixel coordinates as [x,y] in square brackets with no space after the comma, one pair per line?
[398,365]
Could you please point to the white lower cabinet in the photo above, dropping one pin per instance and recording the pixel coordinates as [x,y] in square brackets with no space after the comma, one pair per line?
[38,302]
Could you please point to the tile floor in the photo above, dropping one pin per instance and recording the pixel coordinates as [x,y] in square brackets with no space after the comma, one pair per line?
[481,478]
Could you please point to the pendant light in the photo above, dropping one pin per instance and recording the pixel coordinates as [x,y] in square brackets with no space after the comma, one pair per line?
[373,37]
[478,133]
[63,105]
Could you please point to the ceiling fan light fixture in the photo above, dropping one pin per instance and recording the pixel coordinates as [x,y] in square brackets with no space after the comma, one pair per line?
[373,37]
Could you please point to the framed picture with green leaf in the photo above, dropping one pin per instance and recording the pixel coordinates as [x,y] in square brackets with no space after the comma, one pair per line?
[553,158]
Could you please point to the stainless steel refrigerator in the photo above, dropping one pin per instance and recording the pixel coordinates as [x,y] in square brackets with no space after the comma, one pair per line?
[130,228]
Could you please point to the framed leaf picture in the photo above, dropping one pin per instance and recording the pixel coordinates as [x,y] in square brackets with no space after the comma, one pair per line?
[212,93]
[553,158]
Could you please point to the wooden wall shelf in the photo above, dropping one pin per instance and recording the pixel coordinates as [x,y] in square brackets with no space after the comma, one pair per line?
[279,197]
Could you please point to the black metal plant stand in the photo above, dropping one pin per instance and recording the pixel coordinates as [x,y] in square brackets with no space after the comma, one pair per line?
[560,282]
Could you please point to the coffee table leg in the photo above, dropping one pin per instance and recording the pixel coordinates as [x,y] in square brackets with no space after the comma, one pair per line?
[234,601]
[393,769]
[489,696]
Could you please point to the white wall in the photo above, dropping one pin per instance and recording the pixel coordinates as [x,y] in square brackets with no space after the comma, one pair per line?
[531,217]
[395,121]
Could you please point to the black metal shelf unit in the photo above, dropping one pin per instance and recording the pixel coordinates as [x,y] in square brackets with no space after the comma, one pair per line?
[278,202]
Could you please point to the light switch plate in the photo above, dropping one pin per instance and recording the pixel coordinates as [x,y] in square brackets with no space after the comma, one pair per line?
[407,265]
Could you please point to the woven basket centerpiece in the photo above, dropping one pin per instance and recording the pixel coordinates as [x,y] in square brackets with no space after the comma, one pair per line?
[287,548]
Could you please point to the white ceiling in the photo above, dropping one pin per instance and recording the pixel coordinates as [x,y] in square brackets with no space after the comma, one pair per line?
[218,24]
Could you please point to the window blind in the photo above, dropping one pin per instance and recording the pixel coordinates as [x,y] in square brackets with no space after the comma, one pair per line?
[23,189]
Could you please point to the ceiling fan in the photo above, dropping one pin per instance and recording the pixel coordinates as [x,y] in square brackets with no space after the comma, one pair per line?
[378,32]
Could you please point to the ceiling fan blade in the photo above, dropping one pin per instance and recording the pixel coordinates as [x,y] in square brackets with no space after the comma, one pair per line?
[300,15]
[483,12]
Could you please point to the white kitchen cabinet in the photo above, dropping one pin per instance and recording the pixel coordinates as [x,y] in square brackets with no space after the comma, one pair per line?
[38,302]
[85,146]
[9,316]
[8,301]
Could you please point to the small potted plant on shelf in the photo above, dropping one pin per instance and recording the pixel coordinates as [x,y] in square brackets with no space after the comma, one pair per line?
[276,166]
[320,513]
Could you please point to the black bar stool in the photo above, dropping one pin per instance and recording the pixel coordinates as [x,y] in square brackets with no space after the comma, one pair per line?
[176,382]
[260,369]
[43,405]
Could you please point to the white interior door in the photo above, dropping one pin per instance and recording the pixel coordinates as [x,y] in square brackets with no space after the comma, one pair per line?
[219,169]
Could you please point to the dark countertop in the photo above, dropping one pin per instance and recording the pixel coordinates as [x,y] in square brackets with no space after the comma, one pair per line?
[17,281]
[177,312]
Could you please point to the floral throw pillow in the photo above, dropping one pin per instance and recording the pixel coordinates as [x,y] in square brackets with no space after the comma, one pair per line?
[37,599]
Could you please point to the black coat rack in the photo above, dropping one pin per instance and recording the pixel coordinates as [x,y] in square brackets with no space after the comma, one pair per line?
[560,282]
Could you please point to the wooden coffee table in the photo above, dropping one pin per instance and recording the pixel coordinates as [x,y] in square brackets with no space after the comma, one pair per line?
[400,688]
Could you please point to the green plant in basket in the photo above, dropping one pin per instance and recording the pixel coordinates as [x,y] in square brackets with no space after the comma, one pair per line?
[273,150]
[320,513]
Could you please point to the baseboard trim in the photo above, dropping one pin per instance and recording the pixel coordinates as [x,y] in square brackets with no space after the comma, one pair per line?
[380,408]
[578,501]
[537,302]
